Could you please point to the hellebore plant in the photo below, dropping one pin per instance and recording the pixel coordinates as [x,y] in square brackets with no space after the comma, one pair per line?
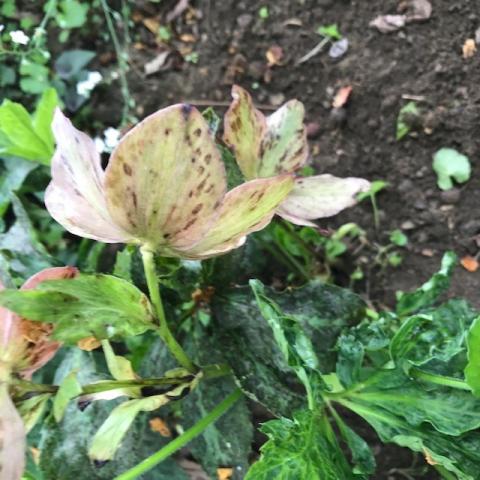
[164,190]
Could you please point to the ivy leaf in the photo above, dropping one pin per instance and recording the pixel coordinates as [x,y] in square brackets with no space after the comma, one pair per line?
[299,448]
[430,291]
[449,164]
[102,306]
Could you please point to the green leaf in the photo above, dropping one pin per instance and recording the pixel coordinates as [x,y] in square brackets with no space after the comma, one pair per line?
[123,264]
[28,137]
[404,120]
[430,291]
[472,370]
[71,62]
[247,343]
[350,358]
[34,76]
[397,237]
[72,14]
[299,449]
[375,187]
[330,31]
[102,306]
[69,389]
[449,164]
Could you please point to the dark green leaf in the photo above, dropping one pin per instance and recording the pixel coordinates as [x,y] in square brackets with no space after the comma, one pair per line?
[102,306]
[71,62]
[350,358]
[430,291]
[472,370]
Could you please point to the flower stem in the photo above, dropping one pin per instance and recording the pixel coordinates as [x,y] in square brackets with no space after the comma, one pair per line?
[182,440]
[163,330]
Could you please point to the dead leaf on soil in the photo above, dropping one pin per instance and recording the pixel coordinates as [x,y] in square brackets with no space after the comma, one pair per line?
[274,55]
[342,96]
[187,38]
[470,263]
[419,10]
[159,426]
[224,473]
[388,23]
[179,8]
[155,65]
[88,344]
[152,25]
[469,48]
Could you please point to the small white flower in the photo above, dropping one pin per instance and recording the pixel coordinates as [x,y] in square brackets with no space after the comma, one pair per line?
[86,86]
[99,144]
[2,28]
[39,32]
[112,136]
[19,37]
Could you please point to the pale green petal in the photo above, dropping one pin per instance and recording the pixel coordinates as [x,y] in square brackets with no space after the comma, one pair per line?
[166,180]
[75,196]
[246,209]
[319,197]
[265,147]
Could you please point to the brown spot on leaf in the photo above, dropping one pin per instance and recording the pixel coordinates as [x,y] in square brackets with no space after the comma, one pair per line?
[127,169]
[190,223]
[197,208]
[201,169]
[168,131]
[208,158]
[197,132]
[134,199]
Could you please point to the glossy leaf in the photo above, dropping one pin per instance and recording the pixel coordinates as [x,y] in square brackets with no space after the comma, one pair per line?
[98,305]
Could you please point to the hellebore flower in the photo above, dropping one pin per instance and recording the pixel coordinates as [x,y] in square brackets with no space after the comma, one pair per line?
[25,346]
[277,145]
[164,188]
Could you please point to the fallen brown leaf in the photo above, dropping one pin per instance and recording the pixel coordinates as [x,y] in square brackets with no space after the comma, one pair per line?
[470,263]
[152,24]
[157,63]
[274,55]
[388,23]
[187,38]
[158,425]
[469,48]
[88,344]
[342,96]
[224,473]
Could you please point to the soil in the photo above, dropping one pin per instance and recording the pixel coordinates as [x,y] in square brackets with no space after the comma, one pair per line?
[423,60]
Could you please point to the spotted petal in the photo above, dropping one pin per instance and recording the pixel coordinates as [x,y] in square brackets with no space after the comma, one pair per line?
[246,209]
[12,438]
[265,147]
[166,179]
[75,197]
[319,197]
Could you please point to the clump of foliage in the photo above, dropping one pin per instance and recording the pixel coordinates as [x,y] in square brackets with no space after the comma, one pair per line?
[172,324]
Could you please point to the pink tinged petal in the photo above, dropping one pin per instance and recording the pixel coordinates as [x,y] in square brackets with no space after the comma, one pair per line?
[265,147]
[75,197]
[39,349]
[319,197]
[246,209]
[244,128]
[12,438]
[284,147]
[166,179]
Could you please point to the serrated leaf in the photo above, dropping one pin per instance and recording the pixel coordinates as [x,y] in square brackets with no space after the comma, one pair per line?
[299,449]
[430,291]
[102,306]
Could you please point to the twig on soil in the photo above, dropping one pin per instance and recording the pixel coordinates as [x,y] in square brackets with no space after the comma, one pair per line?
[215,103]
[415,98]
[314,51]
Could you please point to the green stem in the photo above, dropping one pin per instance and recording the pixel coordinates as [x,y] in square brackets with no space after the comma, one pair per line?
[163,330]
[439,379]
[182,440]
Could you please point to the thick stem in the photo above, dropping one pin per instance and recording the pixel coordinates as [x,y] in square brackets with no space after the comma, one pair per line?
[163,330]
[182,440]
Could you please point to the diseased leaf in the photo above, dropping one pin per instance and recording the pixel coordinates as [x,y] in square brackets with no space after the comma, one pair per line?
[299,448]
[265,147]
[430,291]
[449,164]
[88,305]
[319,197]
